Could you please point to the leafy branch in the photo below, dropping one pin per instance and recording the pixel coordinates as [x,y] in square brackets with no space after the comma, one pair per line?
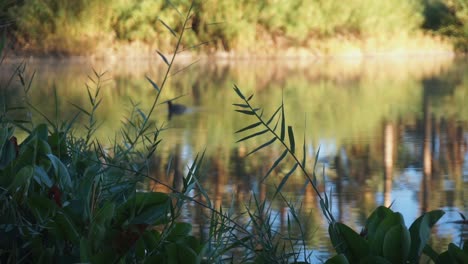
[287,141]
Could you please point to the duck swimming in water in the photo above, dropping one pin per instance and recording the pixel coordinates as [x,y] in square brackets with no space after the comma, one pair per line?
[175,109]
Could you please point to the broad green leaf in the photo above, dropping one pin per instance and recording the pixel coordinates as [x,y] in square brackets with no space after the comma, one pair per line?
[420,232]
[42,207]
[22,179]
[457,254]
[397,243]
[376,241]
[146,208]
[374,260]
[354,246]
[61,171]
[375,218]
[180,230]
[430,252]
[41,176]
[445,258]
[65,227]
[338,259]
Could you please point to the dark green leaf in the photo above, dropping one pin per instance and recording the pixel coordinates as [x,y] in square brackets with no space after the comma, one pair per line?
[155,86]
[163,57]
[275,164]
[61,171]
[285,179]
[292,141]
[242,105]
[338,259]
[169,28]
[283,123]
[246,112]
[377,241]
[354,246]
[254,125]
[457,254]
[269,142]
[239,93]
[273,116]
[397,244]
[253,135]
[420,232]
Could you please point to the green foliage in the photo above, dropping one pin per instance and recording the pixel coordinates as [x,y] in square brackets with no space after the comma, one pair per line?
[75,27]
[385,239]
[449,18]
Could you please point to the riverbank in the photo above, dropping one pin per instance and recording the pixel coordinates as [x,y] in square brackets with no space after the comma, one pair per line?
[268,48]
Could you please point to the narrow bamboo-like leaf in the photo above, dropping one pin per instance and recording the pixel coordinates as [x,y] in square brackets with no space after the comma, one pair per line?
[155,86]
[304,153]
[242,105]
[169,28]
[163,57]
[239,93]
[245,112]
[269,142]
[143,115]
[292,141]
[273,116]
[314,175]
[285,179]
[283,124]
[254,125]
[275,164]
[253,135]
[250,97]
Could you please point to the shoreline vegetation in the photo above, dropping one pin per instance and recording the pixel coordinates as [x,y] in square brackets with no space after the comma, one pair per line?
[107,30]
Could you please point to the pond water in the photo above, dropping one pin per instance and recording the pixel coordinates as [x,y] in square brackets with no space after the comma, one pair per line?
[390,131]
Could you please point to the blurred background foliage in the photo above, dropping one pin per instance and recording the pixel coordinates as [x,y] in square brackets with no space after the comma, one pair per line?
[83,27]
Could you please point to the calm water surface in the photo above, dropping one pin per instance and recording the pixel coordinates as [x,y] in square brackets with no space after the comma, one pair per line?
[390,131]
